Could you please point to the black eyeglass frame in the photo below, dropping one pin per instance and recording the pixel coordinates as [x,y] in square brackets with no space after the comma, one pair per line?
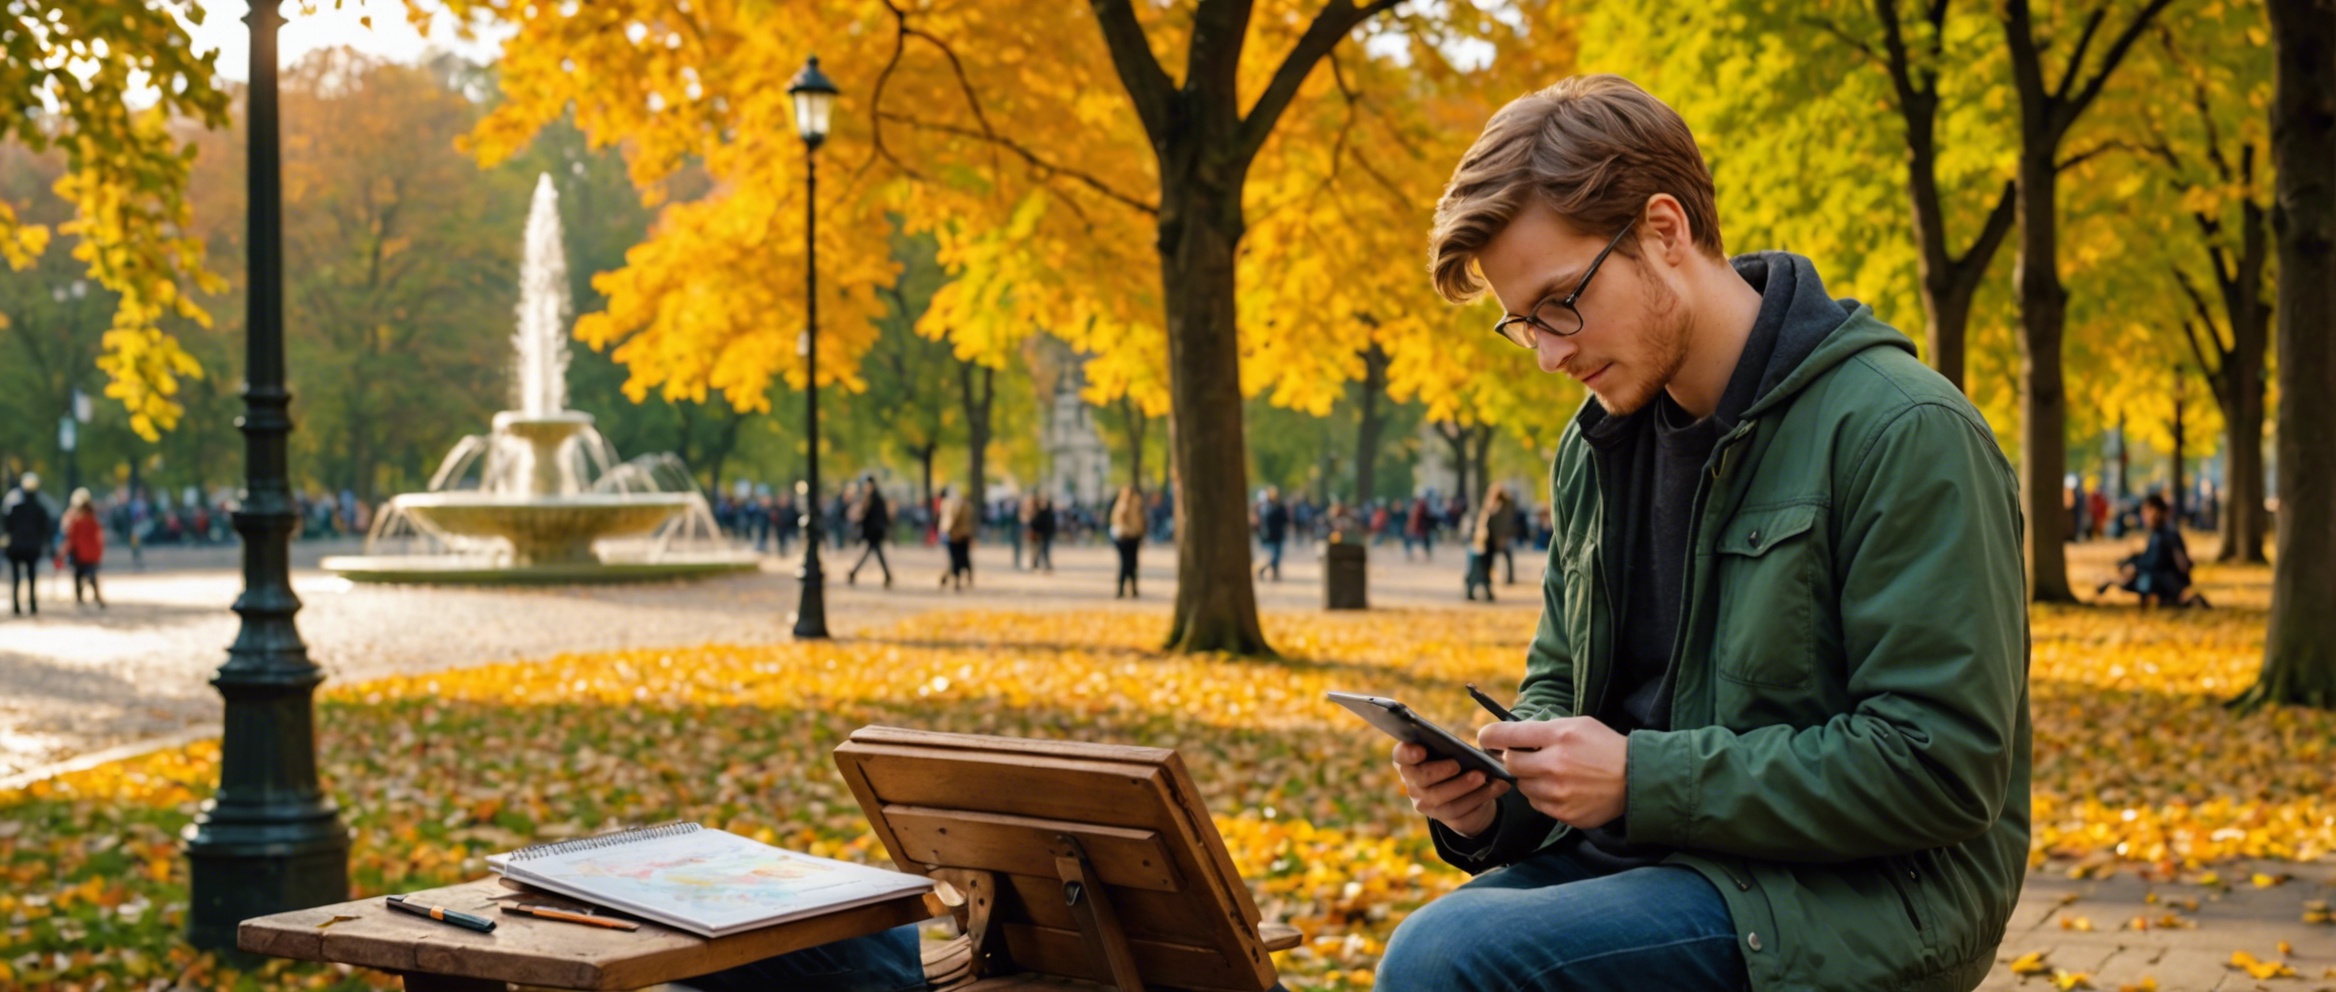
[1534,316]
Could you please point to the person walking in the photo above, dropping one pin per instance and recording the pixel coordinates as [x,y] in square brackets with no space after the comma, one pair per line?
[1492,534]
[1419,527]
[1127,534]
[1042,528]
[1273,530]
[957,524]
[874,518]
[84,545]
[25,520]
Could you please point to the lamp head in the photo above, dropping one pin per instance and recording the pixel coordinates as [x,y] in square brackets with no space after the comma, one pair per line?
[814,97]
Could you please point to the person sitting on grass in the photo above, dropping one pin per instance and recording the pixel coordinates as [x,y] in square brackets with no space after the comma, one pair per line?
[2160,574]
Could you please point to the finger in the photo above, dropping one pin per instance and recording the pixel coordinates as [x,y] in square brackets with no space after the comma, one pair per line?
[1445,792]
[1431,773]
[1407,753]
[1467,803]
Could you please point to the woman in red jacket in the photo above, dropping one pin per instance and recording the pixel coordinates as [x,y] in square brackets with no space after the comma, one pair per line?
[84,544]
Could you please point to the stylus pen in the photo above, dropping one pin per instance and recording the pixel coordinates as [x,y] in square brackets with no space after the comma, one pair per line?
[443,915]
[1488,703]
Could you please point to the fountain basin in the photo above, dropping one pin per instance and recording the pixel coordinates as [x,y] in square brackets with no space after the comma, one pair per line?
[544,529]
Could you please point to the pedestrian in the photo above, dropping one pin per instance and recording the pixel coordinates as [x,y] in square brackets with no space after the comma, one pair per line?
[874,520]
[2160,574]
[1127,534]
[1273,529]
[25,521]
[1010,516]
[1788,561]
[957,524]
[84,545]
[1492,535]
[1042,530]
[1419,528]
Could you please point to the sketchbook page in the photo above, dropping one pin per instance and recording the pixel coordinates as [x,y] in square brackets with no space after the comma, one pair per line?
[711,882]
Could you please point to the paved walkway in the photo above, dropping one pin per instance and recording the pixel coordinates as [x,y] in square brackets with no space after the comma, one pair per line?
[75,684]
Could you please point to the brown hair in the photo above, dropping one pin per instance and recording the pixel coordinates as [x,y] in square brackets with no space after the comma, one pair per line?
[1594,148]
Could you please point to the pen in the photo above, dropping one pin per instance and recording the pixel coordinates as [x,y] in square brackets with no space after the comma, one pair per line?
[443,915]
[569,916]
[1488,703]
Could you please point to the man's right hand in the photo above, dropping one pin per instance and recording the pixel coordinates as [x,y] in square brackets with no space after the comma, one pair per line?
[1465,803]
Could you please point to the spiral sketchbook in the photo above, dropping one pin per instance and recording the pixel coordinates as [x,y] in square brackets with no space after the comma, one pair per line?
[712,883]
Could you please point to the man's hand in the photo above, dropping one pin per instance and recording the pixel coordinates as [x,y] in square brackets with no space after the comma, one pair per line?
[1571,770]
[1464,803]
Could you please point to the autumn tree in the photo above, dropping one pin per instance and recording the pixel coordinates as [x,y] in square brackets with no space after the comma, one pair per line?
[2214,147]
[1088,177]
[2299,656]
[68,71]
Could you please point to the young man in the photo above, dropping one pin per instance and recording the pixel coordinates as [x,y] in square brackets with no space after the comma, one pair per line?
[1773,730]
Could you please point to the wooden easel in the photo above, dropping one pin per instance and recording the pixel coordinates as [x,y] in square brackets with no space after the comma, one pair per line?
[1065,860]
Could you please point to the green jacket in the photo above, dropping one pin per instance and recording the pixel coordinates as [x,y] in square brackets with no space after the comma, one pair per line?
[1849,757]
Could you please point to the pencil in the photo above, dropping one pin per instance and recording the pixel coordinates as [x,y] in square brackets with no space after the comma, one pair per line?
[569,916]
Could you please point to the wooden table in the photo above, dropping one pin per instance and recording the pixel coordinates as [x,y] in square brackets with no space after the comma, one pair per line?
[441,957]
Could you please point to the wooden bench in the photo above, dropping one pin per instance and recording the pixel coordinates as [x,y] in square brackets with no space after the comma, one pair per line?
[1065,865]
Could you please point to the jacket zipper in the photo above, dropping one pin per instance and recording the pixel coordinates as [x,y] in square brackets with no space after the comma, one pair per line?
[1890,870]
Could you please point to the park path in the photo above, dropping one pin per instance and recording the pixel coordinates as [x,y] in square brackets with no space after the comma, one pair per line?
[81,686]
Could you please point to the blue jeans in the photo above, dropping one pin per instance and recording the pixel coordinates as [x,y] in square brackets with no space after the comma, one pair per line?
[884,962]
[1548,923]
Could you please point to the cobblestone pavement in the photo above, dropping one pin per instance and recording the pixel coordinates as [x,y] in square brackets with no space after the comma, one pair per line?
[77,685]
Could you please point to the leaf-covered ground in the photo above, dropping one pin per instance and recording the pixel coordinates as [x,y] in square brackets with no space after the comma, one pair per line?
[2138,766]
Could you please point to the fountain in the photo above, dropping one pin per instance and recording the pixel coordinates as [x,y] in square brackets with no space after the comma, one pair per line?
[543,498]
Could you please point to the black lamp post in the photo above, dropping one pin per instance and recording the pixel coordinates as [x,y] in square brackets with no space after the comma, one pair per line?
[270,840]
[814,101]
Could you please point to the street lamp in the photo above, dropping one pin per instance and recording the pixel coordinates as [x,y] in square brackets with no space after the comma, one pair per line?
[270,840]
[814,102]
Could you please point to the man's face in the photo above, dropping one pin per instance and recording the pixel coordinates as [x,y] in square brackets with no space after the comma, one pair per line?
[1633,336]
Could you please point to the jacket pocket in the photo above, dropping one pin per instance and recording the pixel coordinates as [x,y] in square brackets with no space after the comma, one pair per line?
[1766,562]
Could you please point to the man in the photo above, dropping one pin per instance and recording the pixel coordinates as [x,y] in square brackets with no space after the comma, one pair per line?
[25,522]
[2160,574]
[874,518]
[1273,531]
[1773,730]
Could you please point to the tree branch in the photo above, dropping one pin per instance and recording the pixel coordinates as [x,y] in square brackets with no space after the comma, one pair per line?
[2205,316]
[1856,44]
[1047,169]
[1329,26]
[2084,43]
[1991,234]
[2104,147]
[2116,54]
[1147,84]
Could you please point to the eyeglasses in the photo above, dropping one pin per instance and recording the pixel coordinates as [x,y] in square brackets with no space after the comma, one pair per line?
[1553,315]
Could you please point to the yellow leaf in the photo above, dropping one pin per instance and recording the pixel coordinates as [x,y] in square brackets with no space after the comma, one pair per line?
[2031,963]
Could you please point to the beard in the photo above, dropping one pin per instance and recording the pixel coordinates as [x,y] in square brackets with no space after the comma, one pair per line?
[1663,350]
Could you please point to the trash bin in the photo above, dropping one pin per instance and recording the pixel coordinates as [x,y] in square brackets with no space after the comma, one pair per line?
[1345,577]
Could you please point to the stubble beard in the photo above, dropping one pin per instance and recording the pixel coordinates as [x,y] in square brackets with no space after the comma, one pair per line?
[1665,341]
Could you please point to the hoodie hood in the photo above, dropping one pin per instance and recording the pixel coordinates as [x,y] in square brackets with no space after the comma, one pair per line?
[1813,332]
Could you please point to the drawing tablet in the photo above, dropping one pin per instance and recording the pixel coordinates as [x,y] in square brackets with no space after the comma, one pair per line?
[1404,725]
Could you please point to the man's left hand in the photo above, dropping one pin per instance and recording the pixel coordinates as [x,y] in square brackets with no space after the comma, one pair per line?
[1576,774]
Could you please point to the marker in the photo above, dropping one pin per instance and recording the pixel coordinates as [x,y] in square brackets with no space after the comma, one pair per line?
[443,915]
[569,916]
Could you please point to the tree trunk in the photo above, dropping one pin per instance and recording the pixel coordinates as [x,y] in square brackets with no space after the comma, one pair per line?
[2174,489]
[1135,426]
[720,456]
[1456,438]
[1369,424]
[1216,602]
[2043,410]
[2241,395]
[980,387]
[2299,651]
[925,461]
[1482,434]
